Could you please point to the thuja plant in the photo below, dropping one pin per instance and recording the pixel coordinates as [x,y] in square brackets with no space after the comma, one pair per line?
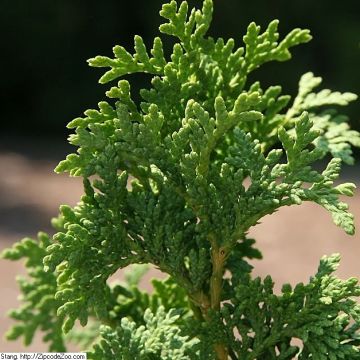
[177,180]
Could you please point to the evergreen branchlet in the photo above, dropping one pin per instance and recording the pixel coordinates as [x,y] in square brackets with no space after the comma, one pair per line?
[164,184]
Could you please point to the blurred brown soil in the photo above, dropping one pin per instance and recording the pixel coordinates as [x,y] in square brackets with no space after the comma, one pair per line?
[291,240]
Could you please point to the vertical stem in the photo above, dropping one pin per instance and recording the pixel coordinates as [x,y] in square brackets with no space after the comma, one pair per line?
[213,302]
[221,352]
[218,257]
[216,279]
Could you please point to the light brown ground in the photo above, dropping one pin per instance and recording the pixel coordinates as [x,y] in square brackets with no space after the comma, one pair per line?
[292,240]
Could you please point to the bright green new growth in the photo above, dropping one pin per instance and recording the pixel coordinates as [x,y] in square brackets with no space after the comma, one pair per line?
[164,184]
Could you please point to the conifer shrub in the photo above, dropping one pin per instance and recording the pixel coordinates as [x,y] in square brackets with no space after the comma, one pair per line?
[164,184]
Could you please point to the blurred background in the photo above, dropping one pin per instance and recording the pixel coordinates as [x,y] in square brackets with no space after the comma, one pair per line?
[46,83]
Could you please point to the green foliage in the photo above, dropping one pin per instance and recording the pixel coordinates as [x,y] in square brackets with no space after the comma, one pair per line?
[336,137]
[129,301]
[38,311]
[319,314]
[159,338]
[177,181]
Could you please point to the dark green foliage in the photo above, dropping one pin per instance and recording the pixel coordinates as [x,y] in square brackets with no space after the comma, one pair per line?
[177,181]
[318,314]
